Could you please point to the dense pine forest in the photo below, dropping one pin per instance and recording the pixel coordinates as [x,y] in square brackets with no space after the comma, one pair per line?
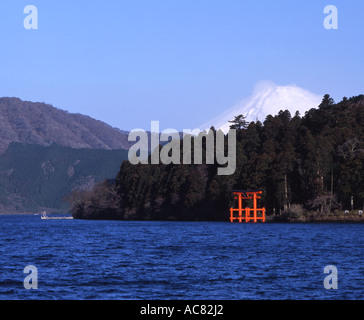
[312,163]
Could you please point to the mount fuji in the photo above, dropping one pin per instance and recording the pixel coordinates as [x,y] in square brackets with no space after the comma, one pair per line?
[267,98]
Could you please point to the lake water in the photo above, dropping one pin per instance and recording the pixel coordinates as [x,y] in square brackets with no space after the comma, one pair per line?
[78,259]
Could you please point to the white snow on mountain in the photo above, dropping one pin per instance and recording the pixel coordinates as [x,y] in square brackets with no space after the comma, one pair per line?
[267,98]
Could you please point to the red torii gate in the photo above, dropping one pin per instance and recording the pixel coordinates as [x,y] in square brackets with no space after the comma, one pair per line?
[246,194]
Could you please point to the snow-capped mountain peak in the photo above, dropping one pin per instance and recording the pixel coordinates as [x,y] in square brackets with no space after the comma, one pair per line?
[267,98]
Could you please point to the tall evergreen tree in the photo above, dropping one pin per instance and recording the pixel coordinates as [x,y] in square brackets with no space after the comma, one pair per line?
[239,122]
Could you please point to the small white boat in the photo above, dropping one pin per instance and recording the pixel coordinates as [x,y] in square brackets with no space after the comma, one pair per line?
[46,217]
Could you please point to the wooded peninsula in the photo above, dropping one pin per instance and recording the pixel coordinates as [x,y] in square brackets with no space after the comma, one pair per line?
[310,168]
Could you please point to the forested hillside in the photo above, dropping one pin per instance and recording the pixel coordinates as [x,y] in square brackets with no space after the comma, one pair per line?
[34,177]
[314,162]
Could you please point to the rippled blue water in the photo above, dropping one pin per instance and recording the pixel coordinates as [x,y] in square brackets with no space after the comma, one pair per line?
[79,259]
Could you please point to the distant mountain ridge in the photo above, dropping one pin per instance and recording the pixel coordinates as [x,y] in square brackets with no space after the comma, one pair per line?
[42,124]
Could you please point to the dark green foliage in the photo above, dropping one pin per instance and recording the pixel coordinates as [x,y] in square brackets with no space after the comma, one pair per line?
[239,122]
[34,177]
[315,162]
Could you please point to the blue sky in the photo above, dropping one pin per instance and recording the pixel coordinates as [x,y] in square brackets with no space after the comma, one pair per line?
[182,62]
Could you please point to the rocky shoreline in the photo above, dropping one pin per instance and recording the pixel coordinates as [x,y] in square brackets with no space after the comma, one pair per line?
[314,217]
